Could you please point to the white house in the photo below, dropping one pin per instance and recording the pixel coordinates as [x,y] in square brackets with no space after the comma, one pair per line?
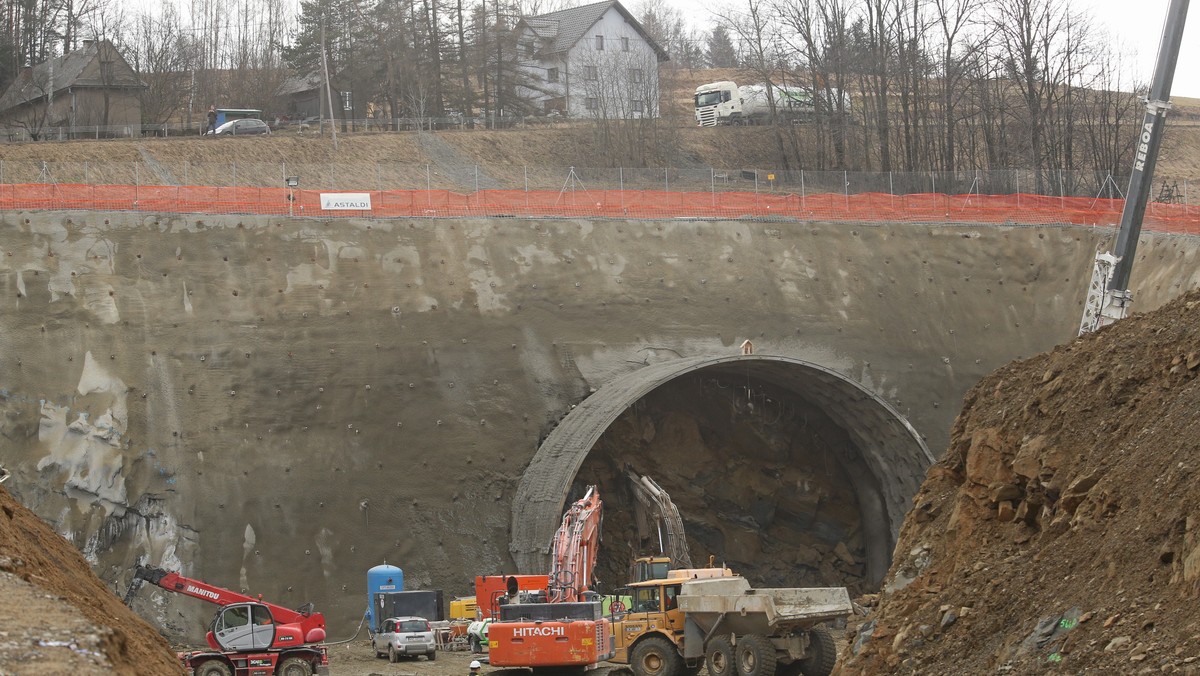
[589,61]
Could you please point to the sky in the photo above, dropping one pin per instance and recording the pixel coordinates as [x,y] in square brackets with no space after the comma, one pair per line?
[1136,25]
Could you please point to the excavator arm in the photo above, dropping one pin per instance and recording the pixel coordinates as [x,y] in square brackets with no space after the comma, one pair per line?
[573,550]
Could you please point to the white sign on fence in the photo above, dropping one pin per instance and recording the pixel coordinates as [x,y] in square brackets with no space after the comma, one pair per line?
[356,201]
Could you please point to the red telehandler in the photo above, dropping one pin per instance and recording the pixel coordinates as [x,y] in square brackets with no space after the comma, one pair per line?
[248,637]
[565,626]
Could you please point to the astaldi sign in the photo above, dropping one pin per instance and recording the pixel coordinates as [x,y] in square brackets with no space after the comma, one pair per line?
[346,201]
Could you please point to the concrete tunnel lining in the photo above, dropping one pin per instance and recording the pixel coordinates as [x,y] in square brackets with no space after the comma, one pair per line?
[890,447]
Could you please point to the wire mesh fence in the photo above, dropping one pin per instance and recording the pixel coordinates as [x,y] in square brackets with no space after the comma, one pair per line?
[475,177]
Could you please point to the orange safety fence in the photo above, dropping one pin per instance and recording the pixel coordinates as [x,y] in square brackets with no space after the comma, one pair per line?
[642,204]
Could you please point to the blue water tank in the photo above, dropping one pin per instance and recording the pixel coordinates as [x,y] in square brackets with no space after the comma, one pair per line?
[383,578]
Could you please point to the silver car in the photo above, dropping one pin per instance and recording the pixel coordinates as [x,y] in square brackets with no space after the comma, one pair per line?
[400,636]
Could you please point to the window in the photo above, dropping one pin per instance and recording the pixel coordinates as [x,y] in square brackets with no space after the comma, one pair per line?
[637,106]
[645,600]
[261,615]
[671,594]
[635,75]
[590,73]
[624,44]
[600,43]
[551,75]
[528,47]
[592,103]
[347,100]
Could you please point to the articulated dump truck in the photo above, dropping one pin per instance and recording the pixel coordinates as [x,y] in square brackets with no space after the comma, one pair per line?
[675,626]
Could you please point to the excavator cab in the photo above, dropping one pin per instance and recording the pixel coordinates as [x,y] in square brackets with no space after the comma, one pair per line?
[242,627]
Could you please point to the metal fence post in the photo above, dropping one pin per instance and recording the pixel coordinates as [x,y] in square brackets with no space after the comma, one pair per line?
[712,184]
[137,181]
[892,189]
[621,184]
[803,193]
[1017,185]
[85,171]
[666,180]
[233,181]
[476,184]
[846,187]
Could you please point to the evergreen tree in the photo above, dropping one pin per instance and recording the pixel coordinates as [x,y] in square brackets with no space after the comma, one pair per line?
[721,52]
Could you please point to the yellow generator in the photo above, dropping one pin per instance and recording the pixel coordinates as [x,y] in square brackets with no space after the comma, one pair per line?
[463,608]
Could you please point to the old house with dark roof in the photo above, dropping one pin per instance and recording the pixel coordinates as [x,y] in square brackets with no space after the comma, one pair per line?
[591,61]
[93,86]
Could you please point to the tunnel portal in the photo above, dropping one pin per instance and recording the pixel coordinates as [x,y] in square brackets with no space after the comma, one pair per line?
[786,471]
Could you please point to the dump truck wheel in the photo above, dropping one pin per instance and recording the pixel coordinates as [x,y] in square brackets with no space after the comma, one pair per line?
[720,657]
[213,668]
[754,656]
[822,653]
[294,666]
[656,656]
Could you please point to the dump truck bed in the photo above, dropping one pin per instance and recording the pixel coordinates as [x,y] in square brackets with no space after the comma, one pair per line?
[744,610]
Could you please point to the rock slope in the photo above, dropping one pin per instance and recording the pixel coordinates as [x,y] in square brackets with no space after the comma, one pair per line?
[57,617]
[1062,527]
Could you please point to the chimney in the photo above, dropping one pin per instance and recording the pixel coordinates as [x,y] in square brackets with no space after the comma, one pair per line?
[26,71]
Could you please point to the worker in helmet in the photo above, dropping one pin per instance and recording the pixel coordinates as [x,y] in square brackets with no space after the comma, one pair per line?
[475,667]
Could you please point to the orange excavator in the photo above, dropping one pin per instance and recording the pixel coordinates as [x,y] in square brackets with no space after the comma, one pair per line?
[247,637]
[565,625]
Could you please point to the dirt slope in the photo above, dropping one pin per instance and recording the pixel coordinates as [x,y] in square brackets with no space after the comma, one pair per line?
[57,617]
[1062,528]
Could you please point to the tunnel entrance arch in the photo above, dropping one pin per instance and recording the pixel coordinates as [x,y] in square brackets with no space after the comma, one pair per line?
[884,457]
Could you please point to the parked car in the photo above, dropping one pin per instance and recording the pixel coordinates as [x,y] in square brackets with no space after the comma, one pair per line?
[243,127]
[403,636]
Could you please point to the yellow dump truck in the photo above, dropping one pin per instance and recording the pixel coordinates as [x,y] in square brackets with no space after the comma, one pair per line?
[706,616]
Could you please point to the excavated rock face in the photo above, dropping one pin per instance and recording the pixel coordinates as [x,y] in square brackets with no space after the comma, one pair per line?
[1063,525]
[756,475]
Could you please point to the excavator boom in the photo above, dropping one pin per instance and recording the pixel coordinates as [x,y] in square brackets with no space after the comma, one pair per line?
[574,547]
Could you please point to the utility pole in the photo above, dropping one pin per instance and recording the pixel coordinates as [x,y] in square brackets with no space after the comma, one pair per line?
[499,55]
[328,91]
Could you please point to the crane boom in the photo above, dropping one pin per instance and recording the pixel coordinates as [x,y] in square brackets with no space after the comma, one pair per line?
[1102,309]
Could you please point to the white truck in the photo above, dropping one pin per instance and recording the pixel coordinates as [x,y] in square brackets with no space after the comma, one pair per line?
[725,102]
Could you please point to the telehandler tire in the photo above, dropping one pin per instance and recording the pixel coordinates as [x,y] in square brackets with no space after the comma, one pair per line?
[754,655]
[213,668]
[822,656]
[719,657]
[294,666]
[656,656]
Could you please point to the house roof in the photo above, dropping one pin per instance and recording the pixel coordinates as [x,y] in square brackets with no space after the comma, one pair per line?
[66,71]
[564,28]
[298,84]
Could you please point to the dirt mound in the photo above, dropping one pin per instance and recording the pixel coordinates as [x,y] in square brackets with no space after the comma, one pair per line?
[56,616]
[1062,528]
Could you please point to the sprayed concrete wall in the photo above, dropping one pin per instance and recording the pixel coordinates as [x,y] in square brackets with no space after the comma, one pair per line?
[279,405]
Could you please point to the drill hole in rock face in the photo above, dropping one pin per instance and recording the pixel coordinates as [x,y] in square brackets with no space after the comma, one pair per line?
[787,471]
